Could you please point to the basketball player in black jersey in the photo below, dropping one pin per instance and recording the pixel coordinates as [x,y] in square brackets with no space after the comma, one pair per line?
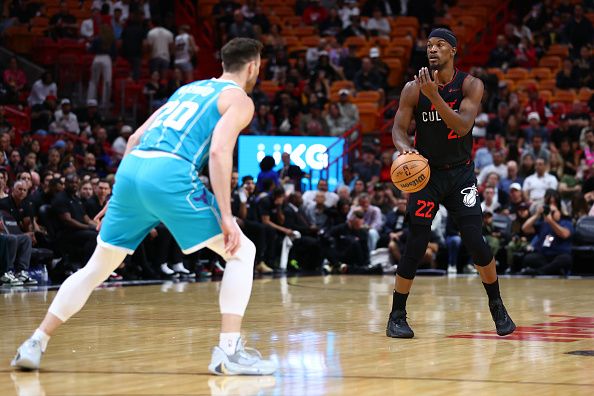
[444,103]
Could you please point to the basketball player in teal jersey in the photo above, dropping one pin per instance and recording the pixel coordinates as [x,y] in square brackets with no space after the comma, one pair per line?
[158,182]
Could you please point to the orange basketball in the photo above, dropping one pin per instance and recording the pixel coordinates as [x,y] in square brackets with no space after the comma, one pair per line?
[410,172]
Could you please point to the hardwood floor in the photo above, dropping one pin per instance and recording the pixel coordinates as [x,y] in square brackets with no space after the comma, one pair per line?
[327,333]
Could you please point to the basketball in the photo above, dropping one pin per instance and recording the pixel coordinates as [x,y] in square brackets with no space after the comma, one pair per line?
[410,172]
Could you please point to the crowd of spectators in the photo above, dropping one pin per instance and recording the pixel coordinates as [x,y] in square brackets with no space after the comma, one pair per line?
[535,163]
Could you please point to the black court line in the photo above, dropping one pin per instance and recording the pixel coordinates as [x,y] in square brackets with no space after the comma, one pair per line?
[345,377]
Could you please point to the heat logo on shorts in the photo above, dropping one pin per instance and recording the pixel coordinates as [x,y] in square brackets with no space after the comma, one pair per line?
[470,194]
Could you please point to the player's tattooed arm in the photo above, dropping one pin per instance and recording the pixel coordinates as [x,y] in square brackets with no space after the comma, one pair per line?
[408,100]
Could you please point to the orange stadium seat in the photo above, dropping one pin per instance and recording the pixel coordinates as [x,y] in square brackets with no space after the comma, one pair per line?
[552,62]
[516,73]
[467,20]
[303,31]
[523,85]
[291,41]
[558,50]
[311,41]
[393,51]
[292,20]
[541,73]
[565,96]
[269,87]
[549,84]
[584,94]
[404,31]
[340,84]
[395,75]
[368,116]
[40,22]
[405,42]
[381,41]
[511,85]
[407,21]
[496,71]
[367,96]
[356,41]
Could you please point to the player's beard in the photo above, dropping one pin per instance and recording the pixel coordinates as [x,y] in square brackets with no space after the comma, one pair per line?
[437,66]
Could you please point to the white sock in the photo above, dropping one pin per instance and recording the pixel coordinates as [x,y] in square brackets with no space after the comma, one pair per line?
[166,270]
[179,267]
[228,342]
[43,338]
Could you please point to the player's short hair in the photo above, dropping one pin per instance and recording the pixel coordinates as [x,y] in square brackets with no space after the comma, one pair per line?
[246,179]
[239,51]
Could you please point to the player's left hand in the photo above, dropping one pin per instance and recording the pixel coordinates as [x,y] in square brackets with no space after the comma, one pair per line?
[97,219]
[429,87]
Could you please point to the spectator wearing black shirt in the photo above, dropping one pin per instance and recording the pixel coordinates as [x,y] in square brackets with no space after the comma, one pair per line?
[74,226]
[564,131]
[579,31]
[240,27]
[133,36]
[567,78]
[368,169]
[502,55]
[97,202]
[354,29]
[584,66]
[368,79]
[19,207]
[350,242]
[63,23]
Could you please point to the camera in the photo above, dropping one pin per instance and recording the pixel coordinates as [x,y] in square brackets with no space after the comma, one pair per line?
[546,209]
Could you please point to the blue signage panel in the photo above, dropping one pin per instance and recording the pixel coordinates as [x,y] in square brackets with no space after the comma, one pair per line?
[309,153]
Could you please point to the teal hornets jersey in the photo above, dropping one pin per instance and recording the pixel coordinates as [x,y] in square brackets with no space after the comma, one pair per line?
[185,125]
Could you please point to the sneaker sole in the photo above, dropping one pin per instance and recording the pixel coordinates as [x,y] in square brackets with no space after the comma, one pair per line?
[221,369]
[24,364]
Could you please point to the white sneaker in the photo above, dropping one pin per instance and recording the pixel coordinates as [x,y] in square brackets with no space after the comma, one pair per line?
[28,355]
[165,270]
[452,270]
[245,361]
[470,269]
[183,271]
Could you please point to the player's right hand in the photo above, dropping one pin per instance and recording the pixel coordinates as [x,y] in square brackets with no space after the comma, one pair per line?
[232,234]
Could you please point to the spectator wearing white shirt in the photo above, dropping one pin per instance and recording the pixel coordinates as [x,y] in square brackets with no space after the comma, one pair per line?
[160,42]
[185,49]
[42,88]
[498,166]
[348,9]
[539,182]
[124,6]
[490,204]
[66,120]
[378,25]
[87,27]
[119,144]
[310,196]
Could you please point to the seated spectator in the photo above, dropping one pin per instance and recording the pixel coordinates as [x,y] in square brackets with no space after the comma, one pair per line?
[372,216]
[498,166]
[65,120]
[484,155]
[512,177]
[538,183]
[534,128]
[262,124]
[90,26]
[313,123]
[493,181]
[42,88]
[314,14]
[567,77]
[96,202]
[490,203]
[63,23]
[354,29]
[350,243]
[584,66]
[332,25]
[378,25]
[5,126]
[516,199]
[368,168]
[348,109]
[535,105]
[15,80]
[337,123]
[480,124]
[497,126]
[379,65]
[75,228]
[20,207]
[551,248]
[240,27]
[317,212]
[348,179]
[525,54]
[502,55]
[350,63]
[15,259]
[537,149]
[117,23]
[156,91]
[331,198]
[564,131]
[290,173]
[368,79]
[491,235]
[267,173]
[526,165]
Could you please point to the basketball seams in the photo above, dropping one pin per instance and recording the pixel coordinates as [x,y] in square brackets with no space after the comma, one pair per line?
[416,174]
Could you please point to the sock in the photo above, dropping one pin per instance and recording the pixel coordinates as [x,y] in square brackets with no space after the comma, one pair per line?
[43,338]
[492,290]
[228,342]
[399,301]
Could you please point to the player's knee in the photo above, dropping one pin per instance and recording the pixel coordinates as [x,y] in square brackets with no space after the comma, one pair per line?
[406,271]
[247,249]
[471,231]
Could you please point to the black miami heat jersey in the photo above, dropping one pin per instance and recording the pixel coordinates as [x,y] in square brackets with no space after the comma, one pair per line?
[433,139]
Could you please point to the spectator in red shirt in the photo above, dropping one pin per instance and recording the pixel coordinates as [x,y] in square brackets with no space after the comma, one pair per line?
[314,13]
[525,54]
[14,78]
[535,104]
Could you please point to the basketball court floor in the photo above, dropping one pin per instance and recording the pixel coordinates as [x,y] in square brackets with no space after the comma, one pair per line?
[327,334]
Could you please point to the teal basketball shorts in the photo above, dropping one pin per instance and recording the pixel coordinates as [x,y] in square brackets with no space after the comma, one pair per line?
[153,187]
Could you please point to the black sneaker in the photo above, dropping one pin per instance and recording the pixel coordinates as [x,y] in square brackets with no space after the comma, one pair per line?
[398,327]
[504,324]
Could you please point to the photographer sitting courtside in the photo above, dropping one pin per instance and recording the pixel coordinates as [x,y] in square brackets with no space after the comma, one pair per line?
[551,248]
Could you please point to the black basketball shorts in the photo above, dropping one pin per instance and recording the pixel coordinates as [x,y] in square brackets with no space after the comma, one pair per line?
[454,188]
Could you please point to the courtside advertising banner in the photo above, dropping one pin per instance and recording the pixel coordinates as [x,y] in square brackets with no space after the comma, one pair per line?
[308,153]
